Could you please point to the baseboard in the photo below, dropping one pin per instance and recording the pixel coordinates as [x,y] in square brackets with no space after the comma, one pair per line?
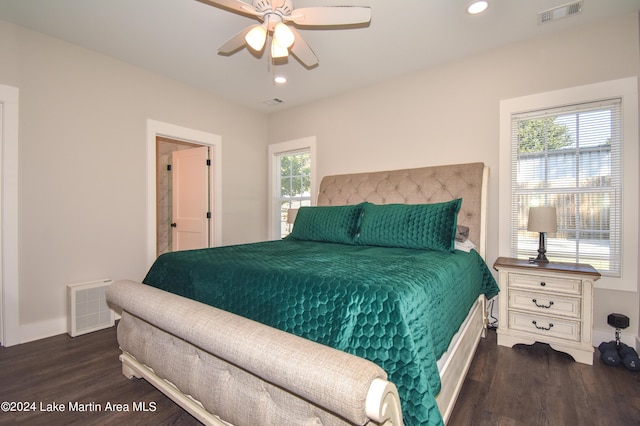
[600,336]
[42,329]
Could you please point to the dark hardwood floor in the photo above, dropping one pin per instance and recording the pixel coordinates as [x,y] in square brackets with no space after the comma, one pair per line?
[535,385]
[525,385]
[84,369]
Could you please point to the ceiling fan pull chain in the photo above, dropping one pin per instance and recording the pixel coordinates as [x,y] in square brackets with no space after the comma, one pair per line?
[271,62]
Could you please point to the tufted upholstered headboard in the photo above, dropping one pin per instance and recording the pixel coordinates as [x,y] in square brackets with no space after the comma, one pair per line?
[417,186]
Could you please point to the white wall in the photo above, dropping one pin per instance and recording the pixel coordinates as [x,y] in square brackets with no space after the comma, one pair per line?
[450,114]
[82,186]
[82,167]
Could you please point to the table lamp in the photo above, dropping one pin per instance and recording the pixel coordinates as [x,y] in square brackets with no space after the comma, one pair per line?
[542,220]
[291,216]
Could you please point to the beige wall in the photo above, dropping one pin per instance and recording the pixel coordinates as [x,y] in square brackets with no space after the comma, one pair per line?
[82,166]
[451,114]
[82,148]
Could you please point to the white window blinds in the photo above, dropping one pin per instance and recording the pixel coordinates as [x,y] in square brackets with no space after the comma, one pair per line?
[294,187]
[570,158]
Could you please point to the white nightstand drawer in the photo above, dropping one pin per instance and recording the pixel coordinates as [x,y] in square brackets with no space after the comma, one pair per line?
[545,326]
[546,283]
[545,303]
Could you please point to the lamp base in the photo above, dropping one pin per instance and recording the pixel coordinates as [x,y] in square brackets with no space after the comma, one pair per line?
[539,259]
[542,250]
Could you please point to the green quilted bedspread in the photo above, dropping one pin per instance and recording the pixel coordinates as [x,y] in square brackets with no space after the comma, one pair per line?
[396,307]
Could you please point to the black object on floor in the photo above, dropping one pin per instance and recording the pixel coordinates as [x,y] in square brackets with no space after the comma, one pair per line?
[609,353]
[615,352]
[629,357]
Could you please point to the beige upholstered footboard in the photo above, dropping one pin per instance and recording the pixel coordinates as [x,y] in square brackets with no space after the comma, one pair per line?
[227,369]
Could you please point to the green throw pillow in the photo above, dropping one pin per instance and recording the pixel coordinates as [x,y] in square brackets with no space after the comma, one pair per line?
[418,226]
[333,224]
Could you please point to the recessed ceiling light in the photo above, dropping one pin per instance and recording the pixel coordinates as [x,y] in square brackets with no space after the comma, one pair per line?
[477,7]
[280,79]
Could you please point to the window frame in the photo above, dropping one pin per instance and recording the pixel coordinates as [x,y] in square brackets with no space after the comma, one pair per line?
[276,150]
[545,161]
[627,90]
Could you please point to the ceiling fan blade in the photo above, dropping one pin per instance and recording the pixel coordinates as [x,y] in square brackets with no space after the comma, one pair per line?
[234,43]
[302,51]
[331,15]
[234,6]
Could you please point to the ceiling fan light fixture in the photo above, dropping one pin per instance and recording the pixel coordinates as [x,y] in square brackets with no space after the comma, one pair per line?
[256,37]
[275,12]
[283,35]
[477,7]
[278,51]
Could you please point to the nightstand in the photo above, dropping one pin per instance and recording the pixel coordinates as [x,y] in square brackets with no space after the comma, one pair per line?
[547,302]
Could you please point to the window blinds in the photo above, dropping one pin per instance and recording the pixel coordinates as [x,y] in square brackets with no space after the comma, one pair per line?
[294,188]
[570,157]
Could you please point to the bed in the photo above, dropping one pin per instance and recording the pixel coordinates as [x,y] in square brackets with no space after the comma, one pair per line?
[355,318]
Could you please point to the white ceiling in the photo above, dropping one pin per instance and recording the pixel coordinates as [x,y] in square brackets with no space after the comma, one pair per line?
[179,39]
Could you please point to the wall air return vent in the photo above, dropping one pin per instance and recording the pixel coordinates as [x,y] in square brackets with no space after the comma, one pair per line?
[274,102]
[88,309]
[565,11]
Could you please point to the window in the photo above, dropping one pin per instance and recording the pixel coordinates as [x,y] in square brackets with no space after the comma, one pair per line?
[570,158]
[576,149]
[295,185]
[292,182]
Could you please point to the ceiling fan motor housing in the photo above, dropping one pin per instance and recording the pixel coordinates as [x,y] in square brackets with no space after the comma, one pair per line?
[281,7]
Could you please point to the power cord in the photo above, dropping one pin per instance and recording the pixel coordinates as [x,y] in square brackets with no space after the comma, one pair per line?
[493,321]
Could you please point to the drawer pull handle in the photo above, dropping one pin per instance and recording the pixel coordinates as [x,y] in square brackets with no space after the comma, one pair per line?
[542,284]
[542,327]
[535,301]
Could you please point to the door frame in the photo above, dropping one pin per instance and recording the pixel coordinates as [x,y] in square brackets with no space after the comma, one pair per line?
[9,289]
[172,131]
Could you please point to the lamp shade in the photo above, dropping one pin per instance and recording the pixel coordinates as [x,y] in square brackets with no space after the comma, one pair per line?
[278,51]
[542,219]
[291,215]
[283,35]
[256,37]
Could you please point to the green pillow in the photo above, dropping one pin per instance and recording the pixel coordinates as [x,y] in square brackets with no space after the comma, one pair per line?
[333,224]
[418,226]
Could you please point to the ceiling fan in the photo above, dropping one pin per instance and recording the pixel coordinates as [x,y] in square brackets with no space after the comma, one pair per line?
[275,14]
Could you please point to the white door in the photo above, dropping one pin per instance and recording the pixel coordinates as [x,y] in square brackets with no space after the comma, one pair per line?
[190,199]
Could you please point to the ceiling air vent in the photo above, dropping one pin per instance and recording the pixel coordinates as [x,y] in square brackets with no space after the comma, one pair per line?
[560,12]
[273,102]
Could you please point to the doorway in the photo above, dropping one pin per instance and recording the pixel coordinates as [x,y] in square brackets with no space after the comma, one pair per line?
[183,195]
[185,138]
